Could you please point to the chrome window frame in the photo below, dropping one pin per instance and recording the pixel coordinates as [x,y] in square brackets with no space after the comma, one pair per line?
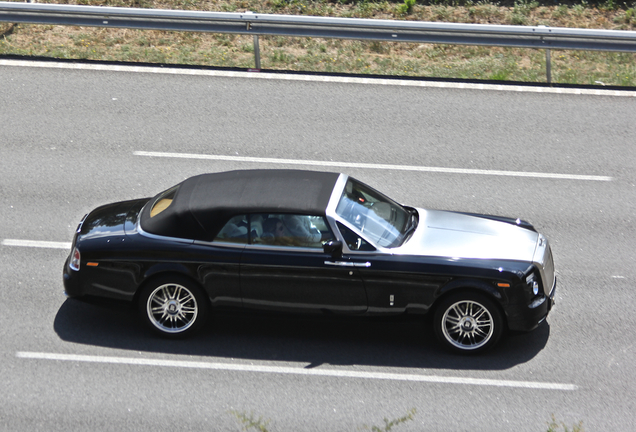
[221,244]
[284,248]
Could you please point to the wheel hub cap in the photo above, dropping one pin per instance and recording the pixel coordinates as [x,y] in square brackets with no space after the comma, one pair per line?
[172,308]
[467,325]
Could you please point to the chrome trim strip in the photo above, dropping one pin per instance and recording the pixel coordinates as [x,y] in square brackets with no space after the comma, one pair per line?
[220,244]
[283,248]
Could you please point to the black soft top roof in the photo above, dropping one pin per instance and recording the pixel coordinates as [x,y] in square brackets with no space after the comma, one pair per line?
[204,203]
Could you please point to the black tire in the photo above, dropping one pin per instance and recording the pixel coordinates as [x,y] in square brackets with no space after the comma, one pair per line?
[173,306]
[468,323]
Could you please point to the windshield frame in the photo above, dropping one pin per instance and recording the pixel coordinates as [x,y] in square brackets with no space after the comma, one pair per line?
[352,195]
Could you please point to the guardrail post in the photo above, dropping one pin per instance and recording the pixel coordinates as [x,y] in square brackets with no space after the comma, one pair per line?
[257,48]
[257,53]
[548,66]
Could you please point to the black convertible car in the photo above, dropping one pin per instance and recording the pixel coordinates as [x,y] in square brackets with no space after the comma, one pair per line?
[307,241]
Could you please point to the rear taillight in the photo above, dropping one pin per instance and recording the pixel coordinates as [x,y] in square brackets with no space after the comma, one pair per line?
[74,264]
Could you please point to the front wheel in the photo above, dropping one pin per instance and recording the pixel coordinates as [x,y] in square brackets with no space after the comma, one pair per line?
[173,306]
[468,323]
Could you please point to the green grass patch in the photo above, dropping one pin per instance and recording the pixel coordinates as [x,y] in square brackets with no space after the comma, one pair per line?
[350,56]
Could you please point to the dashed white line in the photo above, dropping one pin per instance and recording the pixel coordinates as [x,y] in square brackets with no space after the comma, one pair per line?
[372,166]
[36,244]
[297,371]
[319,78]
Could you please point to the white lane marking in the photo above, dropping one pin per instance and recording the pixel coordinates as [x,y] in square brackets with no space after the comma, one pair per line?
[297,371]
[319,78]
[36,244]
[373,166]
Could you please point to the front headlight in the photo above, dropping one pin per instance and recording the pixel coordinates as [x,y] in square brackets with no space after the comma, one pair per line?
[532,283]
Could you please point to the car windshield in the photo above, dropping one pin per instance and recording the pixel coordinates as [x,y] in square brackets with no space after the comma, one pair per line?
[377,217]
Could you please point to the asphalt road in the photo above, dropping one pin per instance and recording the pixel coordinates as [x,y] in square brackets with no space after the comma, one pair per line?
[68,142]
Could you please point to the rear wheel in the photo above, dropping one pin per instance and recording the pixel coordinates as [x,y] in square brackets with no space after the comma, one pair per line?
[468,323]
[173,306]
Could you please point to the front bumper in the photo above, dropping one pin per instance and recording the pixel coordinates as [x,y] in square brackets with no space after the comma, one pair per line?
[72,283]
[528,317]
[552,293]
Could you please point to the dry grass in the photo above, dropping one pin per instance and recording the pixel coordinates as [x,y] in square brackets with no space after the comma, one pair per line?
[343,56]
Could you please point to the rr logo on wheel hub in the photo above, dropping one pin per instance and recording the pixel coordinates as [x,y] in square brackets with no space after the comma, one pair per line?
[172,308]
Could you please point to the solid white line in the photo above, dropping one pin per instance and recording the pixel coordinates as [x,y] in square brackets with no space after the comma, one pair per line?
[36,244]
[317,78]
[373,166]
[297,371]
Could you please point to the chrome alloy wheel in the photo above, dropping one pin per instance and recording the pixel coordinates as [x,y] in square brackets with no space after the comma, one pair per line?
[467,325]
[172,308]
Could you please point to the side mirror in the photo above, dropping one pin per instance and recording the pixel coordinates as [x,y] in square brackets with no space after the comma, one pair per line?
[333,248]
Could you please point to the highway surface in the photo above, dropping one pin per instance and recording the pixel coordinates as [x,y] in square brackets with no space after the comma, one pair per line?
[74,139]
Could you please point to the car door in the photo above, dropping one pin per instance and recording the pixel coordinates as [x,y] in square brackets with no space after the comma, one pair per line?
[285,268]
[393,283]
[219,262]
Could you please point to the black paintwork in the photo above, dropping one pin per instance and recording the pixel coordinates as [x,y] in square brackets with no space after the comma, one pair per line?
[291,280]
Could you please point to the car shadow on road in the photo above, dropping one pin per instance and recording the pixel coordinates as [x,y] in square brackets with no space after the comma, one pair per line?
[316,340]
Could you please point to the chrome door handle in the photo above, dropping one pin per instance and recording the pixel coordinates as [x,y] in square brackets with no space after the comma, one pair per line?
[339,263]
[348,264]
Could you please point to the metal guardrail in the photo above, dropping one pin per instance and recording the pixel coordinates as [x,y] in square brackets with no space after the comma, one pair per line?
[256,24]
